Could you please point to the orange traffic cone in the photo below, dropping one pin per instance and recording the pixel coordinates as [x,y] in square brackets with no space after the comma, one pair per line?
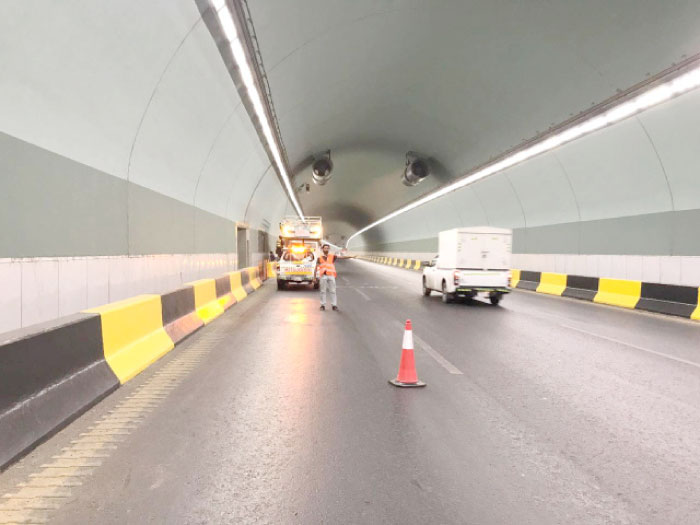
[407,368]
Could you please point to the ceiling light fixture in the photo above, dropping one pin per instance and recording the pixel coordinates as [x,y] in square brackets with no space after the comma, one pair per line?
[656,95]
[228,27]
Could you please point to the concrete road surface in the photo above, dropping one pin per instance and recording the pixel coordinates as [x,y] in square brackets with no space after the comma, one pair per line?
[540,411]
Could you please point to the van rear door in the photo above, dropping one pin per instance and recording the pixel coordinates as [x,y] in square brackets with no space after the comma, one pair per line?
[468,250]
[495,251]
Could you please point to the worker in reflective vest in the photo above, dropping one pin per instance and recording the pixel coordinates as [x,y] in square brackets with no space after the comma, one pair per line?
[327,275]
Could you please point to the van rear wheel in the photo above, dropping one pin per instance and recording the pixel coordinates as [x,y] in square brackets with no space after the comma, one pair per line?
[446,297]
[281,285]
[426,290]
[495,298]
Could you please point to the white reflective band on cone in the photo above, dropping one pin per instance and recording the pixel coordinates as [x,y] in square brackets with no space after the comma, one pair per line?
[408,340]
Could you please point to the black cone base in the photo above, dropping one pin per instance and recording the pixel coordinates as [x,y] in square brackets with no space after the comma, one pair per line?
[406,385]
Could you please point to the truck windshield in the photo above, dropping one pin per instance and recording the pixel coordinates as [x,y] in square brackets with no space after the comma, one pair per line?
[306,256]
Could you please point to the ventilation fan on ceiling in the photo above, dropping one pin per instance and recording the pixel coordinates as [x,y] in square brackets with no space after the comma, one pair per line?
[322,168]
[416,169]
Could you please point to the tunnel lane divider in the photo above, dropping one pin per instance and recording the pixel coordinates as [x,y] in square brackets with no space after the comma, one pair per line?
[669,299]
[618,292]
[237,289]
[552,283]
[514,278]
[180,318]
[579,287]
[207,304]
[407,264]
[271,270]
[52,372]
[254,279]
[528,280]
[247,283]
[224,296]
[133,335]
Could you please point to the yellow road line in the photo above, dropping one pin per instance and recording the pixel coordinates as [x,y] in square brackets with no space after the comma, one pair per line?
[53,482]
[45,492]
[23,516]
[61,472]
[92,446]
[32,504]
[81,454]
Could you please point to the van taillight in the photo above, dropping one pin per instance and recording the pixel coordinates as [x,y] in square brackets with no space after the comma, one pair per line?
[456,276]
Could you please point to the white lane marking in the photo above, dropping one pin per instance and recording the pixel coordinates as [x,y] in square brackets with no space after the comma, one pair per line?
[452,369]
[647,350]
[363,294]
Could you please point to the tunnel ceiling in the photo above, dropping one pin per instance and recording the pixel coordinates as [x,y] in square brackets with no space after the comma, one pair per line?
[457,81]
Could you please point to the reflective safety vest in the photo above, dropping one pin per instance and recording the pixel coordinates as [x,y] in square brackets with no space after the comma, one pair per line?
[326,265]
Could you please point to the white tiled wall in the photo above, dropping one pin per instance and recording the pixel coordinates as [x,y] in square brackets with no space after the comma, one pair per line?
[10,295]
[40,289]
[650,268]
[98,277]
[72,286]
[653,269]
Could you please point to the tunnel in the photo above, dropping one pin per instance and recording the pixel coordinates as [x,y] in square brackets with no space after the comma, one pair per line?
[151,154]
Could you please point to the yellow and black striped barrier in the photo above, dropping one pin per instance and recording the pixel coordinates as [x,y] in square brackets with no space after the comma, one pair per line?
[408,264]
[239,292]
[133,335]
[59,369]
[667,299]
[207,305]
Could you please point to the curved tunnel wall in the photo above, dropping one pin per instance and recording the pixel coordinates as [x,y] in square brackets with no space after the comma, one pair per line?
[622,202]
[127,156]
[457,82]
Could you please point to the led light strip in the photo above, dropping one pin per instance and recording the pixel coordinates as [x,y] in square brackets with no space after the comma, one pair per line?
[656,95]
[239,56]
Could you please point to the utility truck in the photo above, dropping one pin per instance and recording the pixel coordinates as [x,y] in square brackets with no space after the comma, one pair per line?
[300,240]
[471,261]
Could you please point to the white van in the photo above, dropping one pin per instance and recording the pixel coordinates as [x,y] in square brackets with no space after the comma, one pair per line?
[471,261]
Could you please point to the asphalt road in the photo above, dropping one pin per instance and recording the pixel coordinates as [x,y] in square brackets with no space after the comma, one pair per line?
[539,411]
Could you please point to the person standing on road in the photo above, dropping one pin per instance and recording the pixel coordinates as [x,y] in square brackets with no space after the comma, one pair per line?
[327,273]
